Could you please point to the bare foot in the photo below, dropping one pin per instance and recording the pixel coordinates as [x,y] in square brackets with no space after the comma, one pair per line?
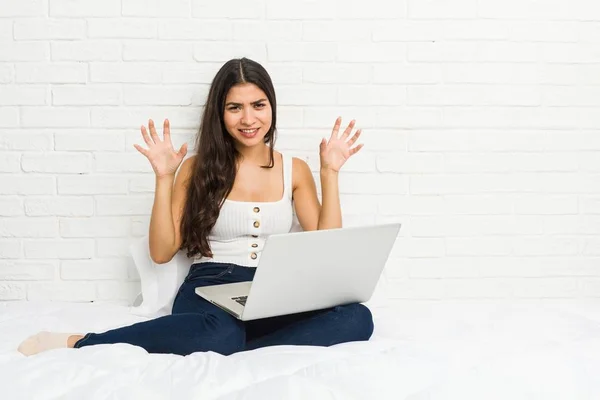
[72,340]
[45,341]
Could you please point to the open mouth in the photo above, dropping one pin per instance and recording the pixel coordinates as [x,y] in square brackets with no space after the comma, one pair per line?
[248,133]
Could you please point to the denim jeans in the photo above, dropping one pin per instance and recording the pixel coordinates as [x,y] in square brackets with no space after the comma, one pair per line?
[197,325]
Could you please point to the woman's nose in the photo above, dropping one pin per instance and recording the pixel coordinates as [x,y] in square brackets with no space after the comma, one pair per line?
[247,116]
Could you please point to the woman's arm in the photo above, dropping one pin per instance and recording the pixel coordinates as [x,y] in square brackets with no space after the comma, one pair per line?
[168,199]
[162,229]
[333,155]
[311,215]
[331,211]
[306,202]
[167,211]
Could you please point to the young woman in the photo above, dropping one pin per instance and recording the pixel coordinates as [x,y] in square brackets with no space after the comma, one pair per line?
[223,204]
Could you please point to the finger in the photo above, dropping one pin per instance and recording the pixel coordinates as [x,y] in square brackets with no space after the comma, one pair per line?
[141,150]
[153,133]
[322,145]
[182,150]
[356,149]
[354,137]
[146,137]
[336,128]
[348,130]
[167,130]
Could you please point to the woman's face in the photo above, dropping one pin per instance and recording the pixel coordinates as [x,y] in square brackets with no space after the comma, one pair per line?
[247,114]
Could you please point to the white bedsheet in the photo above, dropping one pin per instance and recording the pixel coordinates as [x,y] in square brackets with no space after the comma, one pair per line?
[420,350]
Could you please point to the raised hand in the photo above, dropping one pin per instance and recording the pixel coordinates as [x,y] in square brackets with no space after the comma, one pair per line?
[163,158]
[337,150]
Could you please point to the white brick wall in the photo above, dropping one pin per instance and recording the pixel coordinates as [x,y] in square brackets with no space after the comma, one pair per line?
[480,123]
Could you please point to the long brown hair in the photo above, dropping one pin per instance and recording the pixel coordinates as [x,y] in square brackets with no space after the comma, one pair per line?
[215,164]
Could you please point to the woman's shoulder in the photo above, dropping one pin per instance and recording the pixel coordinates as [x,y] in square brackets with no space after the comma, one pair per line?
[301,172]
[190,158]
[185,170]
[299,165]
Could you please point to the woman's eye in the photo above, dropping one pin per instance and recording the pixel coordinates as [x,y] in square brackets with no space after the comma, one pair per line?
[260,105]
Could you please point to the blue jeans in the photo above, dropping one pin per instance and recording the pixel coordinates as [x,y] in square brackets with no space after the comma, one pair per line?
[197,325]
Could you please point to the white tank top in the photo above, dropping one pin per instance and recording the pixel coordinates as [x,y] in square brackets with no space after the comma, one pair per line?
[239,234]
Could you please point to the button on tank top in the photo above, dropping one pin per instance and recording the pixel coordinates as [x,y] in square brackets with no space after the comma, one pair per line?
[242,227]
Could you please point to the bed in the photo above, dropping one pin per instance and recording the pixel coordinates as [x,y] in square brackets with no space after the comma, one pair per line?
[420,350]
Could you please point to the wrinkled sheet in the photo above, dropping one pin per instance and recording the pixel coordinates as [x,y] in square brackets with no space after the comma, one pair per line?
[420,350]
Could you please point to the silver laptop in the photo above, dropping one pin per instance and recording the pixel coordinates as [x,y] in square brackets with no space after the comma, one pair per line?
[305,271]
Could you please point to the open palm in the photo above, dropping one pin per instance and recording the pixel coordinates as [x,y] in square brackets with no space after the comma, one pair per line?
[337,150]
[163,158]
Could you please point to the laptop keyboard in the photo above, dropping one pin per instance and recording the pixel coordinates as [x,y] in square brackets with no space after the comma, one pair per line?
[240,299]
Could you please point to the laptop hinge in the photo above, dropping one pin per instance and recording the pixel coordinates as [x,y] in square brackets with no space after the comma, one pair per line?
[227,310]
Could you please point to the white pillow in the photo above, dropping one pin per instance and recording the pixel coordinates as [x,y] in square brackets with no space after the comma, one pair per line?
[160,282]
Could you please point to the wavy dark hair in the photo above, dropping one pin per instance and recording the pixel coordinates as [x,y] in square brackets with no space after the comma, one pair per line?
[216,162]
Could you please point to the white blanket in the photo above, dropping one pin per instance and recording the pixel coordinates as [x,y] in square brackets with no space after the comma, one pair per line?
[420,350]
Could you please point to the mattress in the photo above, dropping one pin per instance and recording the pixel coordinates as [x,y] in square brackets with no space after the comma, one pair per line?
[419,350]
